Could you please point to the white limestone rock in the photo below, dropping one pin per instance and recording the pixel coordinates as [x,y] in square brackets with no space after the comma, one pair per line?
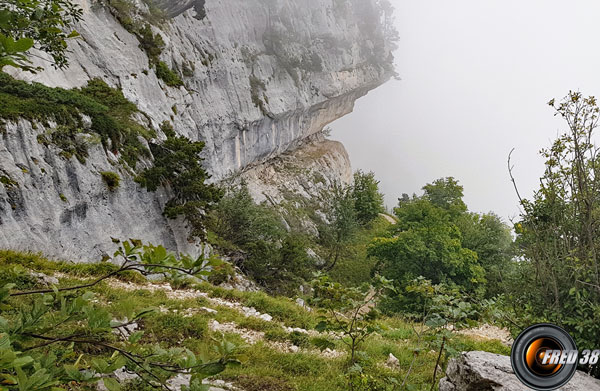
[61,207]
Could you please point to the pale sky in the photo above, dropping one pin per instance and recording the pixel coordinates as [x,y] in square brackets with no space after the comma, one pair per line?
[476,77]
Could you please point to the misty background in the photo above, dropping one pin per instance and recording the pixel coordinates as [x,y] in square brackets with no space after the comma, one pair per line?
[476,79]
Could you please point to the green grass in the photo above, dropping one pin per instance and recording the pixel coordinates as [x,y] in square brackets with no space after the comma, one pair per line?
[282,309]
[183,323]
[38,263]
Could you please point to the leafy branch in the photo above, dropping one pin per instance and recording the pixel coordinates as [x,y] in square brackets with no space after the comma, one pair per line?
[46,317]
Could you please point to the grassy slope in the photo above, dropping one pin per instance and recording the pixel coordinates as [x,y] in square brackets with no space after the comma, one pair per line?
[182,321]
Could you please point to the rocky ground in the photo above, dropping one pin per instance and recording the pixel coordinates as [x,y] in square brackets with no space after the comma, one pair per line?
[483,371]
[278,344]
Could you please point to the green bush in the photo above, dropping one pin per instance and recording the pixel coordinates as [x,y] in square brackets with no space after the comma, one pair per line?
[66,138]
[276,260]
[299,339]
[110,112]
[368,201]
[257,89]
[241,221]
[111,179]
[166,74]
[221,274]
[178,165]
[257,324]
[151,43]
[277,335]
[7,181]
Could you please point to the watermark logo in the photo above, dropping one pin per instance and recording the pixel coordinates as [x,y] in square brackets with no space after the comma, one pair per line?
[544,357]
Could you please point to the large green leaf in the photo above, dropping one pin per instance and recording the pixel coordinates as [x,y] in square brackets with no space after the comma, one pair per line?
[23,45]
[111,384]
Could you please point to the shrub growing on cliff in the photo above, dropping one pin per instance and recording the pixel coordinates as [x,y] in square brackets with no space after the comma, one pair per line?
[67,139]
[111,179]
[166,74]
[152,44]
[110,112]
[178,168]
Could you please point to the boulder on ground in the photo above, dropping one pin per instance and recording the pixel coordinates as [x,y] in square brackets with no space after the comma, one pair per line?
[483,371]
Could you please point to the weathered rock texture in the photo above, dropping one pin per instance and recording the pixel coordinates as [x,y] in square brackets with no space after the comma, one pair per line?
[260,76]
[307,172]
[299,183]
[482,371]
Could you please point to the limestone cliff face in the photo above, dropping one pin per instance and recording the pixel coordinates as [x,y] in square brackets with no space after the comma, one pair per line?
[299,182]
[260,76]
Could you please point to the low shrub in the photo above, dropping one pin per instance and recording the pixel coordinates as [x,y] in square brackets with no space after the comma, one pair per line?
[166,74]
[221,274]
[299,339]
[111,179]
[173,328]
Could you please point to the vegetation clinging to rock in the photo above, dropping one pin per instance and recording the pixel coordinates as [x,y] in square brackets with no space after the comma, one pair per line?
[109,111]
[178,168]
[152,44]
[111,179]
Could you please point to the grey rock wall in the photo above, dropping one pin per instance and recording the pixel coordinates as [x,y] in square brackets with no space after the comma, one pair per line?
[261,76]
[309,61]
[64,208]
[483,371]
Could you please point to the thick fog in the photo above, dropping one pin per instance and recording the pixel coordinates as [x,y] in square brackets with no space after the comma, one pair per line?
[476,77]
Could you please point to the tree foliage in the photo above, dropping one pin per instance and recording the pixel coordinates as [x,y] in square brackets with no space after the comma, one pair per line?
[342,223]
[178,168]
[490,238]
[436,238]
[41,24]
[241,221]
[275,258]
[368,201]
[427,243]
[447,194]
[559,230]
